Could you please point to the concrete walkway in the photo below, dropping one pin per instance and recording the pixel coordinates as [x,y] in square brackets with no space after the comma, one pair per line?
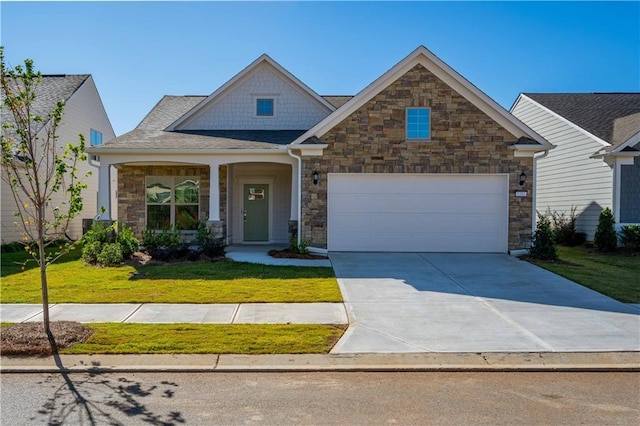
[259,254]
[438,302]
[158,313]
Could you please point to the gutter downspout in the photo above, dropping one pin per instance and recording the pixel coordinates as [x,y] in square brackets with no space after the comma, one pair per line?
[297,157]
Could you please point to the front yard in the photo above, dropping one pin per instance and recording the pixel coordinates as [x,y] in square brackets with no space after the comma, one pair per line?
[71,281]
[616,275]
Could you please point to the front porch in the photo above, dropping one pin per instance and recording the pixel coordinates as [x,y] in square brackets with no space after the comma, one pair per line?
[244,200]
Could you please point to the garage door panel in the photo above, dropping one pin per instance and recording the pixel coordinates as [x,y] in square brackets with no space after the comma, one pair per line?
[422,212]
[410,222]
[423,203]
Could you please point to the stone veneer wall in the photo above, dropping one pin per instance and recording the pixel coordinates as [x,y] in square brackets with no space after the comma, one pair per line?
[372,140]
[131,191]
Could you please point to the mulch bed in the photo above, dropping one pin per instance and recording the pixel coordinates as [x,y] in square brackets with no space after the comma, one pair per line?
[286,254]
[29,338]
[554,261]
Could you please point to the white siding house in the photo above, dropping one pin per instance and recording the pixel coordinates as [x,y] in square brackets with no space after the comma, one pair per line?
[572,175]
[83,113]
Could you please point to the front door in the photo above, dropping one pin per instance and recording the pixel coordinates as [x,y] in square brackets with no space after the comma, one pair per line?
[256,212]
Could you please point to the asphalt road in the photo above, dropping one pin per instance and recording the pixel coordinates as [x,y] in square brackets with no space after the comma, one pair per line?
[320,398]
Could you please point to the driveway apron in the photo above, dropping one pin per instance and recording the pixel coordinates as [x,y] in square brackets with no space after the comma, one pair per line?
[442,302]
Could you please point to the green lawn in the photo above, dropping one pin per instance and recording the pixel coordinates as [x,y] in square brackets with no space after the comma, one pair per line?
[118,338]
[617,275]
[71,281]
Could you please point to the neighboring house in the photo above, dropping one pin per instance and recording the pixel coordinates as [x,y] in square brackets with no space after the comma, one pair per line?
[419,160]
[83,113]
[596,163]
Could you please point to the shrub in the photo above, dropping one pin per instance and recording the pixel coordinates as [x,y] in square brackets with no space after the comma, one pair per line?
[300,248]
[564,228]
[128,242]
[166,238]
[544,246]
[209,245]
[630,237]
[111,255]
[90,251]
[606,238]
[11,247]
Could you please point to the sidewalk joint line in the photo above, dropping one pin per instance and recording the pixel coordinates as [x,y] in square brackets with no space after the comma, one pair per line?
[235,313]
[131,314]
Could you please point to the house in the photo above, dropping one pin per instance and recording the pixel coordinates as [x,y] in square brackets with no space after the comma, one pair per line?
[84,114]
[596,163]
[419,160]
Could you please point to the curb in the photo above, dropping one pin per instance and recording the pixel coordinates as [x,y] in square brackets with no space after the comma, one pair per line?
[403,362]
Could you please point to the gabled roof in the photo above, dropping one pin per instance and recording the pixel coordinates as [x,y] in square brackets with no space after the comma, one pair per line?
[149,134]
[593,112]
[52,88]
[445,73]
[220,92]
[625,132]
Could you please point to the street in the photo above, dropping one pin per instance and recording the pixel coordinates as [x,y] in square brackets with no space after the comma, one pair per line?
[320,398]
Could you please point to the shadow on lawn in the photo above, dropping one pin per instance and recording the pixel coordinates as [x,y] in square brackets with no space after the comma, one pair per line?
[92,398]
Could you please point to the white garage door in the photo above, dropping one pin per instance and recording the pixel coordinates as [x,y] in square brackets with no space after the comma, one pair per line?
[417,212]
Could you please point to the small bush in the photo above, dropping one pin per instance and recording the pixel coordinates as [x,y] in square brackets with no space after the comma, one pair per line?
[170,239]
[630,237]
[544,246]
[90,251]
[209,245]
[300,248]
[128,242]
[564,228]
[111,255]
[11,247]
[606,238]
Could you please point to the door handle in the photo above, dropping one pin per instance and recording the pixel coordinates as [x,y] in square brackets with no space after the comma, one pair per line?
[244,214]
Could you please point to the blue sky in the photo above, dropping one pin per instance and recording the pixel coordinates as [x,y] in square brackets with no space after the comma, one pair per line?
[138,52]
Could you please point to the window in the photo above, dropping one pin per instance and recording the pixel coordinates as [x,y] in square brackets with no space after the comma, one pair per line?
[172,201]
[418,123]
[96,138]
[264,107]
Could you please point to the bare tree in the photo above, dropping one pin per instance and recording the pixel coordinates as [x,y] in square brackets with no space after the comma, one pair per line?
[35,166]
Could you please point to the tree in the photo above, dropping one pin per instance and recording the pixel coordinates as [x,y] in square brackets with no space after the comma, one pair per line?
[35,166]
[544,246]
[606,238]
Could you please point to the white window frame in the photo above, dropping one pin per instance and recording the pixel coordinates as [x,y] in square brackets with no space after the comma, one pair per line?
[268,96]
[406,125]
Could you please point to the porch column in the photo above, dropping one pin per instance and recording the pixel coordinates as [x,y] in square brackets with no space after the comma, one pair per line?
[214,192]
[294,192]
[104,191]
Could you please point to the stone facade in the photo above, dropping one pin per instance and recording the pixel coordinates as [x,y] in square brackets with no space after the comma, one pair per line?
[372,140]
[132,198]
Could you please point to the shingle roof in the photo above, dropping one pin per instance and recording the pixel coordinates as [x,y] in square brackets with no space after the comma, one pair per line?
[624,128]
[337,101]
[594,112]
[52,88]
[151,134]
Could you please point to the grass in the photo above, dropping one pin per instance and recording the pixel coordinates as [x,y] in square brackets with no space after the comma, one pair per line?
[71,281]
[250,339]
[616,275]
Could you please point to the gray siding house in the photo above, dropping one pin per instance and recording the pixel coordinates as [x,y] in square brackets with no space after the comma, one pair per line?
[84,113]
[596,162]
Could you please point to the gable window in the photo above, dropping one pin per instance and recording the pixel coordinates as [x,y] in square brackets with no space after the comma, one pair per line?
[418,123]
[172,201]
[264,107]
[96,138]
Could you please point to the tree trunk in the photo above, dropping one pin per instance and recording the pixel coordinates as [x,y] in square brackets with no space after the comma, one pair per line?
[42,260]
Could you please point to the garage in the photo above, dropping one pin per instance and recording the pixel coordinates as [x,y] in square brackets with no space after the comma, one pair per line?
[417,212]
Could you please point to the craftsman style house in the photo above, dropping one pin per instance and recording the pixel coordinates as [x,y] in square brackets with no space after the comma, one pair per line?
[419,160]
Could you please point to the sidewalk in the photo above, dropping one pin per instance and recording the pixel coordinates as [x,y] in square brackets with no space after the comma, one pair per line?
[436,362]
[158,313]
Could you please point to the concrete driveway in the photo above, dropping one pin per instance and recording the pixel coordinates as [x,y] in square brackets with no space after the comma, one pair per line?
[424,302]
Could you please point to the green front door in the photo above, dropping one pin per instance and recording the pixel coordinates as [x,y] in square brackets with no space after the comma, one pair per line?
[256,212]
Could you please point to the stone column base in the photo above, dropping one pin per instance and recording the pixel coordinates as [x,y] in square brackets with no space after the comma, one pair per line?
[218,228]
[293,229]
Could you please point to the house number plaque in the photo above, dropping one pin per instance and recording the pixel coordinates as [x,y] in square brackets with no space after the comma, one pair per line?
[521,194]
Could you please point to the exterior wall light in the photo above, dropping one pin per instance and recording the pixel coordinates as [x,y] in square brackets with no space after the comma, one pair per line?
[523,178]
[315,177]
